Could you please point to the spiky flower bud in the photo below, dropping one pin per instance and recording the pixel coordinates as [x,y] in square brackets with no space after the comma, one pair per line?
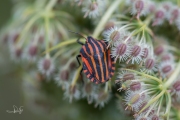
[46,66]
[92,8]
[112,35]
[135,86]
[72,92]
[132,100]
[139,7]
[166,68]
[159,50]
[176,88]
[121,50]
[159,16]
[101,98]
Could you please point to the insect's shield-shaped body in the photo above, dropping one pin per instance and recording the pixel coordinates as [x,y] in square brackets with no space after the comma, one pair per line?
[97,62]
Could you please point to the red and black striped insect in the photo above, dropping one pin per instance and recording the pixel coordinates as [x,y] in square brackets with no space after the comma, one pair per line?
[97,63]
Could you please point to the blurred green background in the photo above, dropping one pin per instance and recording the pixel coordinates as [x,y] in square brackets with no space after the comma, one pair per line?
[10,82]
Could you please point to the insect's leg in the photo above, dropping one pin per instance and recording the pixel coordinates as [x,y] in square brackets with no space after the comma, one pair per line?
[81,70]
[78,59]
[79,41]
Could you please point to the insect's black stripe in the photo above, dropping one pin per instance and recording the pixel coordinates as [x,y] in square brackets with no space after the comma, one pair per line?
[99,60]
[92,62]
[84,50]
[90,43]
[113,64]
[104,45]
[88,51]
[108,62]
[103,61]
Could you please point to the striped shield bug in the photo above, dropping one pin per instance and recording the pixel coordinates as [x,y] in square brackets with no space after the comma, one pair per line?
[97,63]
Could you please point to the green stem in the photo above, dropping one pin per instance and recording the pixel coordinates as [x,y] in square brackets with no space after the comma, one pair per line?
[168,108]
[76,76]
[47,31]
[105,18]
[160,105]
[152,101]
[146,75]
[62,44]
[178,3]
[27,27]
[51,4]
[106,87]
[173,77]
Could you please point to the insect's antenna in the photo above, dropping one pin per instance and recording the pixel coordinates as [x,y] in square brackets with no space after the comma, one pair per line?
[77,34]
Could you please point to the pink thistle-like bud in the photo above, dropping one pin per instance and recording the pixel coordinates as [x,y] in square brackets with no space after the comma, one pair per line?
[159,50]
[139,8]
[132,100]
[128,76]
[72,92]
[41,39]
[31,53]
[16,53]
[141,106]
[64,75]
[46,66]
[149,63]
[135,86]
[151,7]
[109,25]
[125,76]
[159,17]
[88,88]
[121,50]
[175,14]
[166,67]
[176,88]
[167,57]
[112,35]
[33,50]
[136,53]
[101,98]
[92,8]
[155,117]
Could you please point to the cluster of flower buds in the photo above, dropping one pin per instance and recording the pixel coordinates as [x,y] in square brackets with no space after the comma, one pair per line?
[160,11]
[155,62]
[126,47]
[28,38]
[75,90]
[92,8]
